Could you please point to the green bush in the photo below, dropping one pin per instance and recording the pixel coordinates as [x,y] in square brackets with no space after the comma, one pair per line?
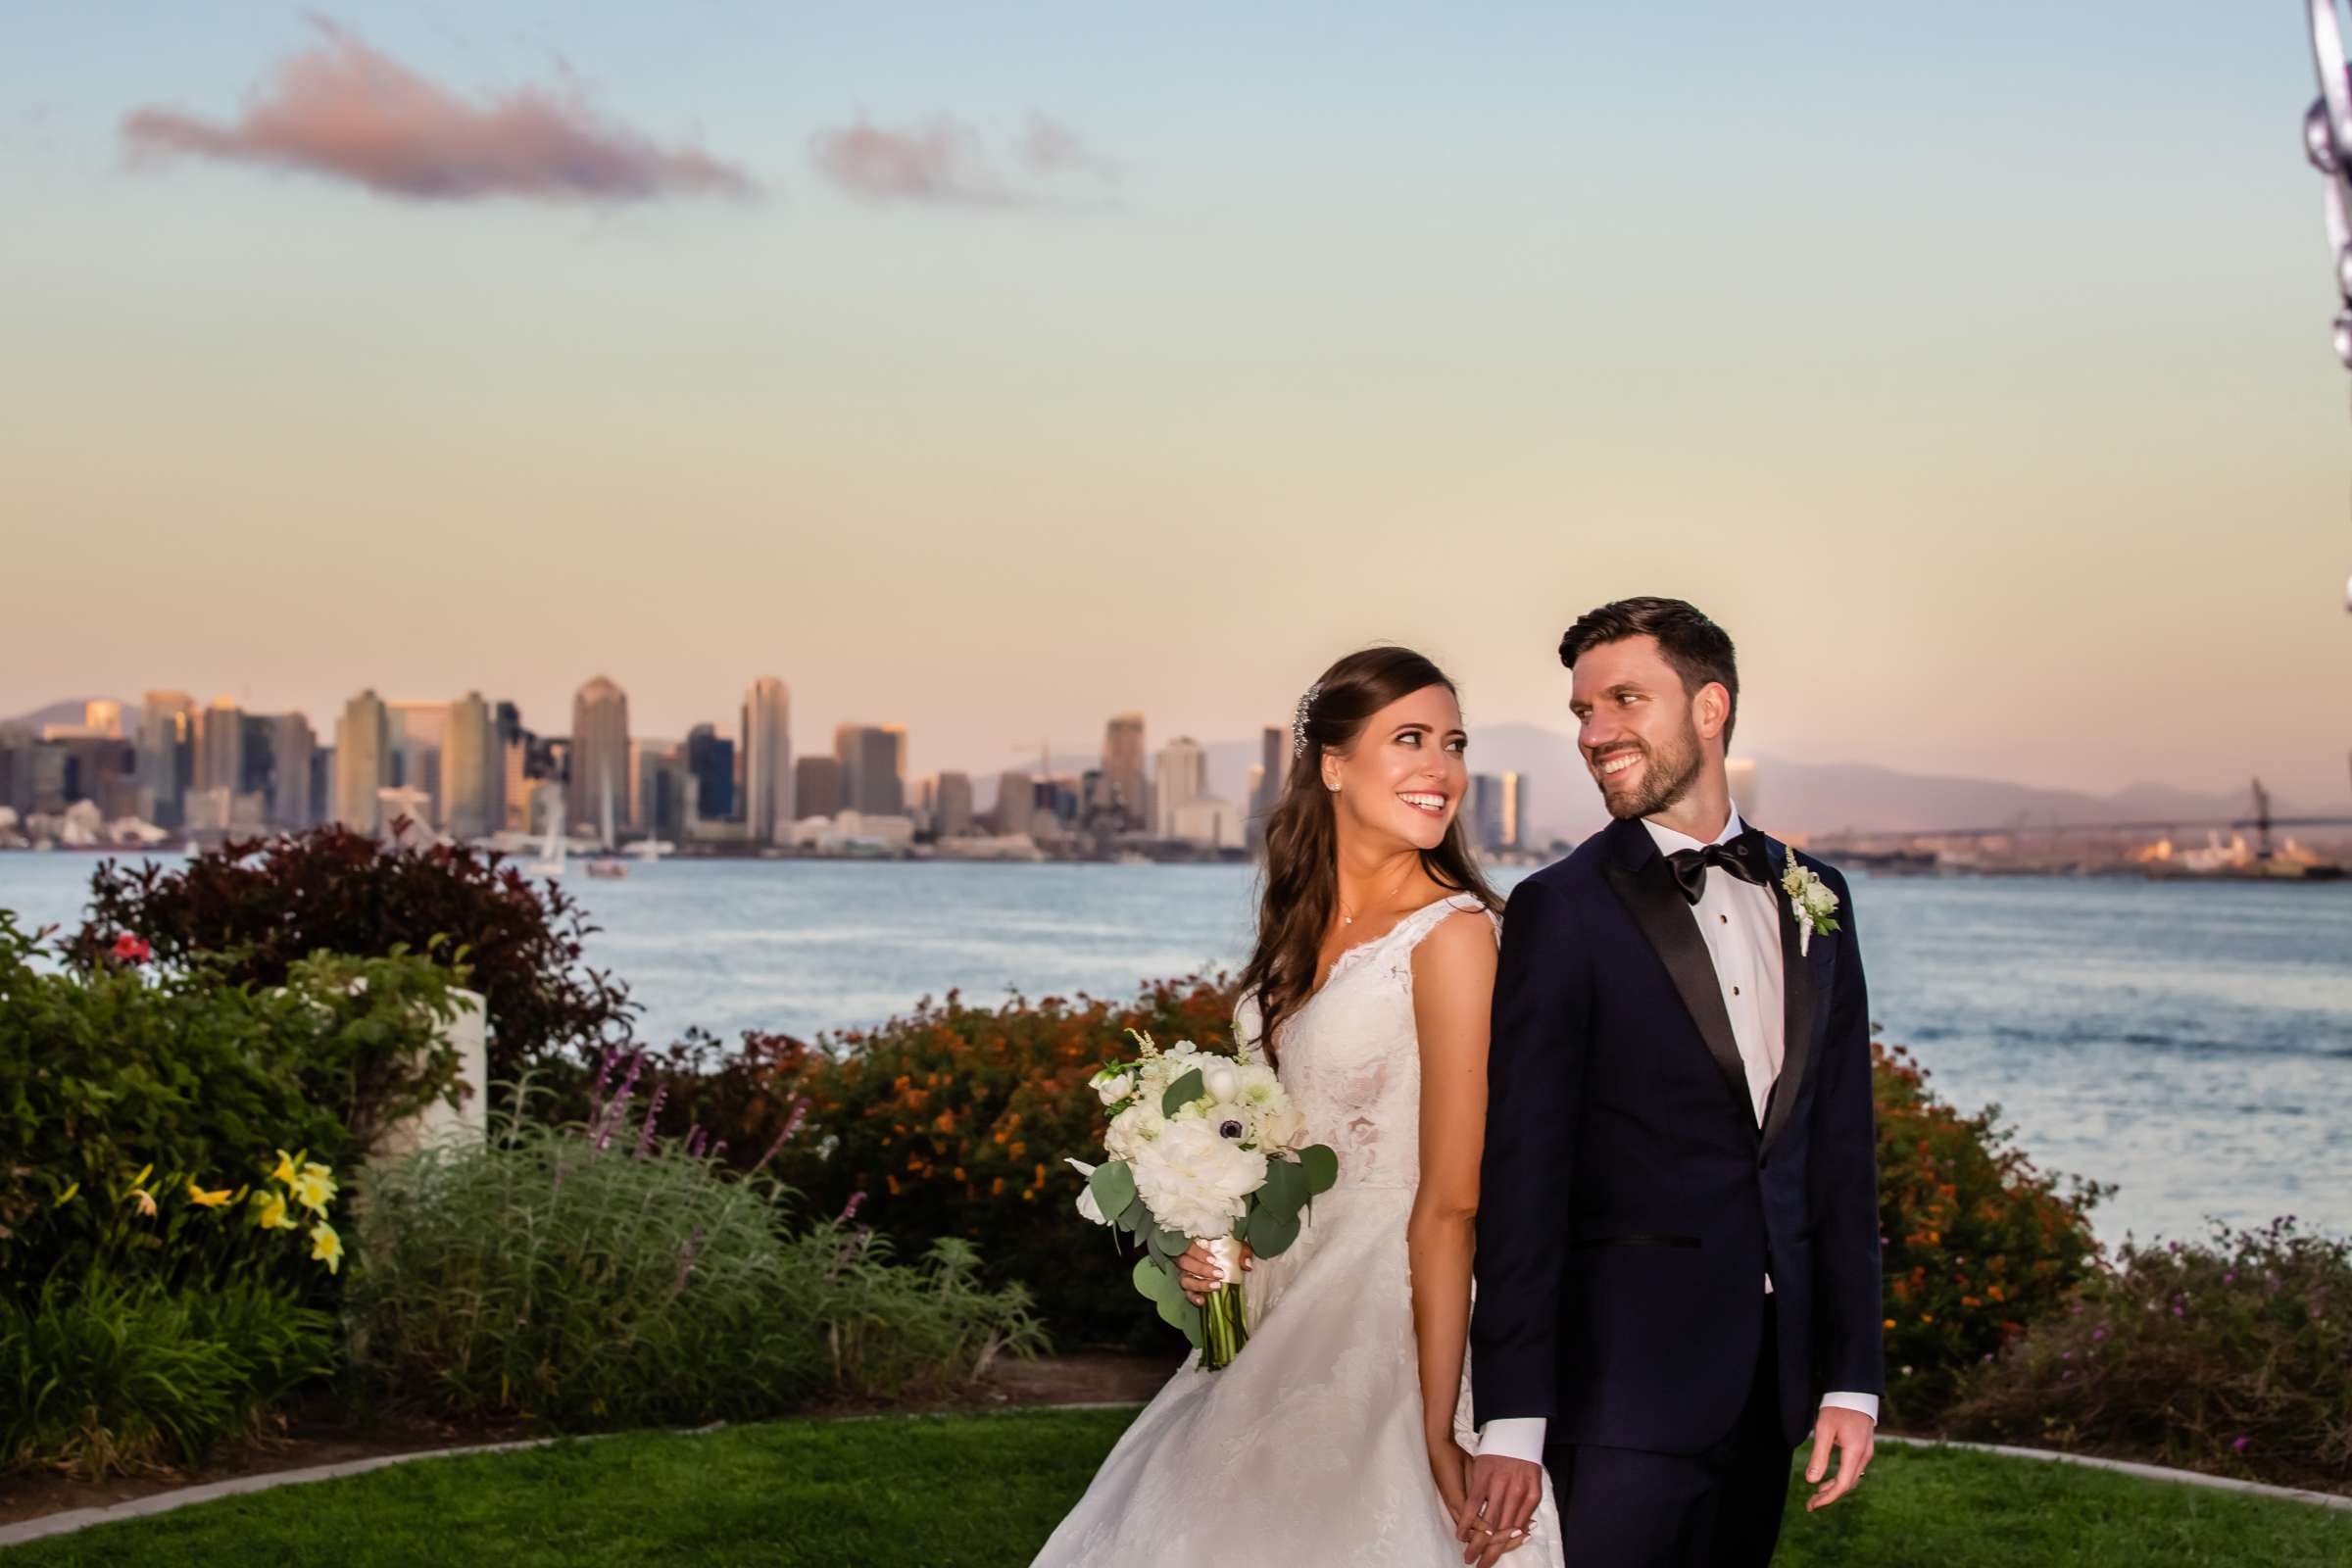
[128,1090]
[105,1376]
[2234,1356]
[954,1121]
[262,906]
[599,1275]
[1978,1244]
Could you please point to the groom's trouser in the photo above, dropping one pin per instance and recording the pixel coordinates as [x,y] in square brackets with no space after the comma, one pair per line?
[1627,1508]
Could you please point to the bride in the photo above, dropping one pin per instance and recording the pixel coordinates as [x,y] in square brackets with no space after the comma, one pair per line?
[1341,1432]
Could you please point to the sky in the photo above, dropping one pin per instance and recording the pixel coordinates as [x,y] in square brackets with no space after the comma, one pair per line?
[991,370]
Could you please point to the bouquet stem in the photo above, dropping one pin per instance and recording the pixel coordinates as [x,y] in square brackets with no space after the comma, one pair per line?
[1223,1331]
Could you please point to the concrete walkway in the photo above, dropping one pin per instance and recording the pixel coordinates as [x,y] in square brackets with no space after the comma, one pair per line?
[59,1524]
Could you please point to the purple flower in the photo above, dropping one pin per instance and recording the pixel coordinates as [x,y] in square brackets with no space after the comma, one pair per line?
[2098,1333]
[2239,1446]
[652,1112]
[849,1211]
[694,1140]
[792,1125]
[2066,1355]
[2230,1276]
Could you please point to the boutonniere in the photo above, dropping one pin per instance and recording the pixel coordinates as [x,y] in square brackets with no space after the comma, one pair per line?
[1811,901]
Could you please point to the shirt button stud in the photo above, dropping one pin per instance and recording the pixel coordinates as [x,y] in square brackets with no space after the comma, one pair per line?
[1735,991]
[1722,919]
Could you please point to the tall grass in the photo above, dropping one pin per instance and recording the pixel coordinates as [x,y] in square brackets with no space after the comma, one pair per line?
[108,1376]
[602,1275]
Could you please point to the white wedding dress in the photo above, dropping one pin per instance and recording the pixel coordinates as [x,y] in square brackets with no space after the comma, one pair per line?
[1307,1450]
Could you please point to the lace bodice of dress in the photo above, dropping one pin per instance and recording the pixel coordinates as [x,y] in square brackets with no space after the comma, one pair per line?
[1351,1057]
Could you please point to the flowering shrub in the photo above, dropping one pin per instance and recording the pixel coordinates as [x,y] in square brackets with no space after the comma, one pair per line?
[144,1109]
[1977,1242]
[599,1274]
[954,1121]
[2232,1356]
[265,904]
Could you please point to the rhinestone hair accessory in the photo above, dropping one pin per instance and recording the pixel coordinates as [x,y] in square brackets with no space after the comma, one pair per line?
[1307,706]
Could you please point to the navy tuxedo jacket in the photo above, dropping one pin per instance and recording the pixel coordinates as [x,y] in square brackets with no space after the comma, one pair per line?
[1630,1206]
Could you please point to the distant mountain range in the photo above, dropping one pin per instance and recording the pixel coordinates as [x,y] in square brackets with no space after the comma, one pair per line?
[1805,797]
[69,711]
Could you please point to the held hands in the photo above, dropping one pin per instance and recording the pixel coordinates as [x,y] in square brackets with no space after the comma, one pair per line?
[1496,1498]
[1855,1437]
[1198,1271]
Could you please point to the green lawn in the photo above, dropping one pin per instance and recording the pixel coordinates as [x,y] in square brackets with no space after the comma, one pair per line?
[978,1491]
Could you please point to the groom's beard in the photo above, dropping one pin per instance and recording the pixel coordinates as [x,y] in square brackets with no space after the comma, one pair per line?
[1666,777]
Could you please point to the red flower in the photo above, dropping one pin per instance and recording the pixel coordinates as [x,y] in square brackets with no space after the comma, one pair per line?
[132,950]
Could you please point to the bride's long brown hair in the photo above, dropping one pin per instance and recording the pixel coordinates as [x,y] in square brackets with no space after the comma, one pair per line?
[1302,886]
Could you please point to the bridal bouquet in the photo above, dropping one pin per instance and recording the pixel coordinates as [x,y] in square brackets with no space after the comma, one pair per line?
[1202,1147]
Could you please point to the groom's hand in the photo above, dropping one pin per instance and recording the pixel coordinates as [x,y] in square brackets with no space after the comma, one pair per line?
[1855,1437]
[1501,1498]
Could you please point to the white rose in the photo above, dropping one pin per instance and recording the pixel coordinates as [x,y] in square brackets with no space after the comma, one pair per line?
[1281,1126]
[1195,1182]
[1115,1088]
[1221,1084]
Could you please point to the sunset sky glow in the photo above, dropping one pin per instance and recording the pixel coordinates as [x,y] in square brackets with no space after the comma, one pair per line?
[993,369]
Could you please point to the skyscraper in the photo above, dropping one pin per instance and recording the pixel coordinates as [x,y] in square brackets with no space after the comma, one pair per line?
[415,734]
[1484,816]
[872,758]
[1183,778]
[711,758]
[767,779]
[1016,800]
[816,786]
[600,756]
[292,743]
[363,761]
[220,746]
[1514,811]
[474,770]
[513,767]
[1125,790]
[166,742]
[955,807]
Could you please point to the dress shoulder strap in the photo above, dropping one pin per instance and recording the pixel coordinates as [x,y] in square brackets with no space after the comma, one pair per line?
[1422,921]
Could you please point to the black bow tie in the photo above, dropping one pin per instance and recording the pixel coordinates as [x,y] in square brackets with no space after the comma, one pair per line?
[1742,857]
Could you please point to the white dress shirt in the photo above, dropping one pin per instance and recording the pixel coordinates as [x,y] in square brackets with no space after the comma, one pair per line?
[1742,924]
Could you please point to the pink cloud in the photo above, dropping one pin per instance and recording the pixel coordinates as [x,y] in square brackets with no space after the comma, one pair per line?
[350,111]
[946,163]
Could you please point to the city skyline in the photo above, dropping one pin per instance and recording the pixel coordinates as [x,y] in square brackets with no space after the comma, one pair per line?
[1157,396]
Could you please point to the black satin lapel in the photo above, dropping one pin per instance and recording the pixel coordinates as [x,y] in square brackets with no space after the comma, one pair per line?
[1796,1010]
[1659,908]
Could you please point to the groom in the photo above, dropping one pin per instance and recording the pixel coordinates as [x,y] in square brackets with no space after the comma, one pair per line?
[1678,1229]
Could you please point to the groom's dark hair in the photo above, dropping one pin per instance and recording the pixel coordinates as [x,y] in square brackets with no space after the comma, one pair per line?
[1698,650]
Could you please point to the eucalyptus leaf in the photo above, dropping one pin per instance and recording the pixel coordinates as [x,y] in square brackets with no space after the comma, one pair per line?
[1155,1280]
[1182,1093]
[1271,1232]
[1113,1186]
[1286,1190]
[1321,1167]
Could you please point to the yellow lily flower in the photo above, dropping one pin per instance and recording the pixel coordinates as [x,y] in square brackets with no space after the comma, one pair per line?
[145,1172]
[314,1188]
[67,1197]
[146,1202]
[285,1169]
[326,1247]
[272,1212]
[203,1200]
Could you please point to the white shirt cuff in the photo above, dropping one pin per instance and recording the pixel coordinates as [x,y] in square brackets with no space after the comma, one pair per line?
[1514,1437]
[1867,1403]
